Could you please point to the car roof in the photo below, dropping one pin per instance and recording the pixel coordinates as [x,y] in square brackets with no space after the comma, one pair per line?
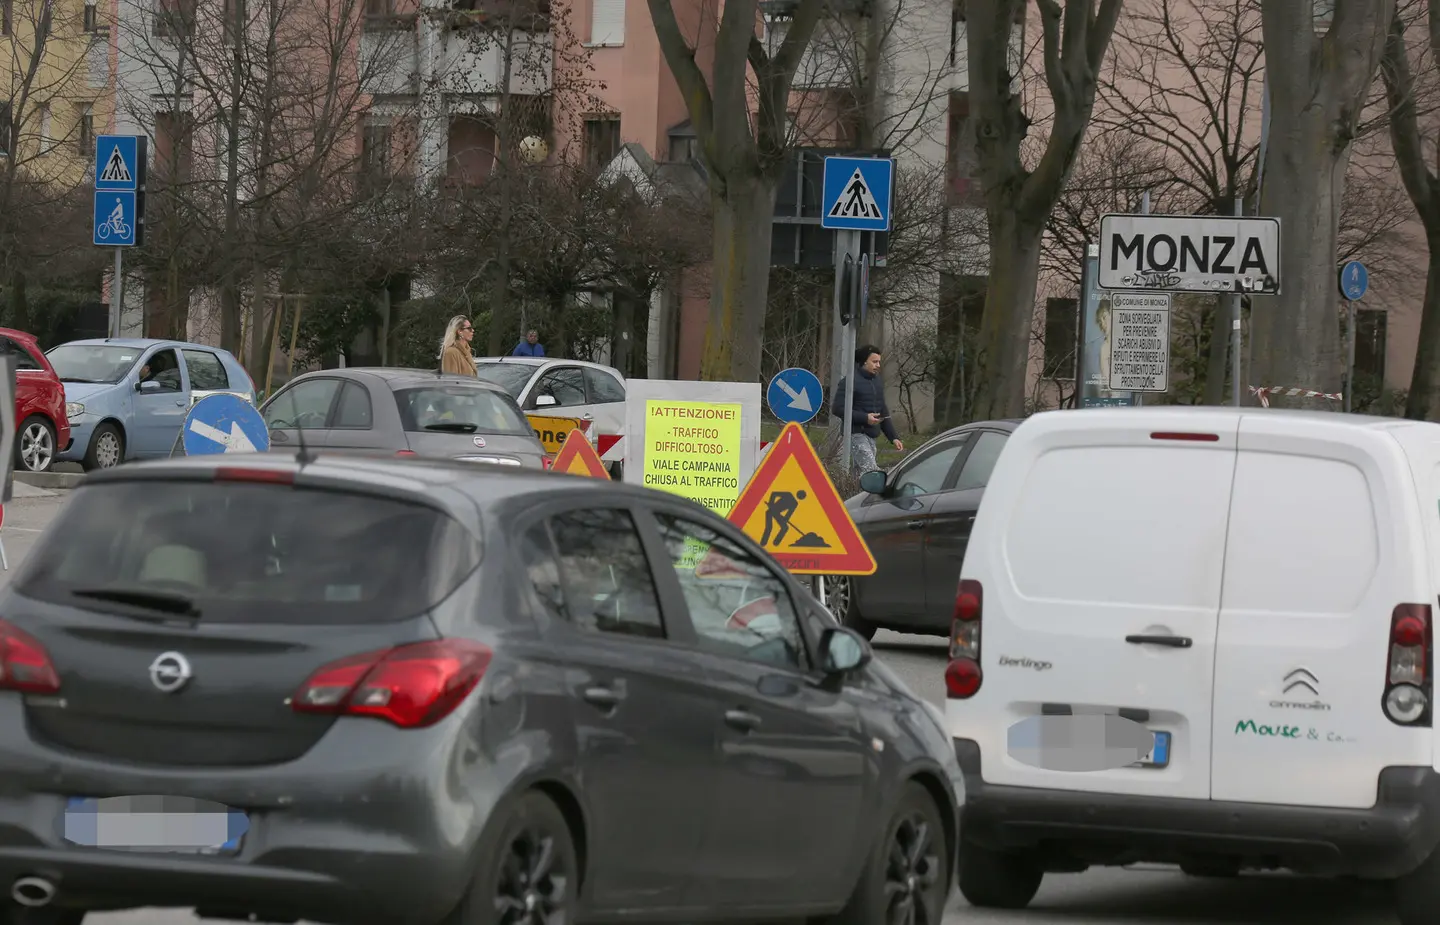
[399,377]
[549,361]
[18,334]
[1192,414]
[1001,424]
[139,343]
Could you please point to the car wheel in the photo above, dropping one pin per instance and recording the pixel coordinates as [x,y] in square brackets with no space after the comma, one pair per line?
[35,447]
[16,914]
[530,870]
[906,878]
[998,880]
[1417,894]
[107,448]
[839,591]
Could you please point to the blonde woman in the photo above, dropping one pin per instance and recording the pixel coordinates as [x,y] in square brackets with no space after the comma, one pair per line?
[455,355]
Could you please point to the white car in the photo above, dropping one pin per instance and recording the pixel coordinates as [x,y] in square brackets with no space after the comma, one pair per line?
[563,388]
[1203,637]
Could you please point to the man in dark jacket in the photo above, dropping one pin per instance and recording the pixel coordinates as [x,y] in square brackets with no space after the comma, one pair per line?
[869,415]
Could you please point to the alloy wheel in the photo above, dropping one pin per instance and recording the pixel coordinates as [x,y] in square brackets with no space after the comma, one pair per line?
[911,871]
[107,451]
[835,595]
[534,885]
[37,450]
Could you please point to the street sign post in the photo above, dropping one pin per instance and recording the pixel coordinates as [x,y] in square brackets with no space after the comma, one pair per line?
[224,423]
[794,395]
[119,217]
[856,194]
[1190,253]
[1354,282]
[1140,341]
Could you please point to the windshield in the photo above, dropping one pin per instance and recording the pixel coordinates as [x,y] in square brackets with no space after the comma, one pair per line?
[509,376]
[93,362]
[461,409]
[235,552]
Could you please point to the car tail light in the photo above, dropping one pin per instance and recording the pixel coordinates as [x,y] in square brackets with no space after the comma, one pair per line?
[963,676]
[268,476]
[1407,672]
[24,664]
[1184,435]
[546,462]
[410,686]
[405,453]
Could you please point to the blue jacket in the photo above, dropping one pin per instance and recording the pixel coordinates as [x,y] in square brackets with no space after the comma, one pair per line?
[869,399]
[526,349]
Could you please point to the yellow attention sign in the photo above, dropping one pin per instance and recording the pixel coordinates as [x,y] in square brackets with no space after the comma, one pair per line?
[693,449]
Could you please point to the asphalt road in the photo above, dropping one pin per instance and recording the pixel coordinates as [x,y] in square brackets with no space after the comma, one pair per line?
[1134,896]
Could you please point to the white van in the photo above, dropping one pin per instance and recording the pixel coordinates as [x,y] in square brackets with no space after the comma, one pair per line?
[1201,636]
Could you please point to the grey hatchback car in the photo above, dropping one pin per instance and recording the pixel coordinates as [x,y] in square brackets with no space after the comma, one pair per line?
[401,412]
[360,690]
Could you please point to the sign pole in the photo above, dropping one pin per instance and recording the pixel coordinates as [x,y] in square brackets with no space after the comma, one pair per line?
[1144,210]
[1350,358]
[847,361]
[1236,341]
[117,292]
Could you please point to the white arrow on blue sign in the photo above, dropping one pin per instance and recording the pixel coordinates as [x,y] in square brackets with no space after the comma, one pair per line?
[1354,280]
[224,423]
[856,193]
[794,395]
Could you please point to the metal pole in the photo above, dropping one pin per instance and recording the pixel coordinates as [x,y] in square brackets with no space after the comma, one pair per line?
[1235,338]
[117,292]
[847,243]
[1350,359]
[1144,210]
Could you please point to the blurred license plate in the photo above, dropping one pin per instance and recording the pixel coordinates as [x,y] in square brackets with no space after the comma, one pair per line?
[1159,754]
[154,823]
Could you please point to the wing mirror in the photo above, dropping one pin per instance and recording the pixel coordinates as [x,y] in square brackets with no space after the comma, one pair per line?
[149,385]
[842,649]
[873,482]
[545,401]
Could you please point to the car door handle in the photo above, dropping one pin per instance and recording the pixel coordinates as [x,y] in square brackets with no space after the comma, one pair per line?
[743,720]
[915,524]
[602,697]
[1174,642]
[180,403]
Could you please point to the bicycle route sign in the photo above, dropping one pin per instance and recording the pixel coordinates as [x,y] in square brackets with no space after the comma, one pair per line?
[119,219]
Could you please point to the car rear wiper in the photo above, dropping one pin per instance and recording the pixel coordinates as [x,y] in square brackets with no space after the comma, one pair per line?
[167,602]
[452,427]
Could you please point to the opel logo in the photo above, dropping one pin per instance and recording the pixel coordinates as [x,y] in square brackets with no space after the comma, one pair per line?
[170,671]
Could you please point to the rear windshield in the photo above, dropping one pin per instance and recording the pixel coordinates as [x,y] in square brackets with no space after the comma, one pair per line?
[248,553]
[458,408]
[509,376]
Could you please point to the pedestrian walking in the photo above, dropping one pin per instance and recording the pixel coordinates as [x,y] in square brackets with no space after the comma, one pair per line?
[455,355]
[869,416]
[530,346]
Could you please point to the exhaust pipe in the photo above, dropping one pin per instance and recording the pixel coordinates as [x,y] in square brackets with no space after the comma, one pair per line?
[33,892]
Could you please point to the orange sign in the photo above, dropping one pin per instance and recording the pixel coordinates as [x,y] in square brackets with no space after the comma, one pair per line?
[578,457]
[791,508]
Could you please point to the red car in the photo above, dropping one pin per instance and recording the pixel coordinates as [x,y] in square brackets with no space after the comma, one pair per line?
[42,427]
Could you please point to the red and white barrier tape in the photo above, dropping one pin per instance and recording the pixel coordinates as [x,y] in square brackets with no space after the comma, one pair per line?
[1264,394]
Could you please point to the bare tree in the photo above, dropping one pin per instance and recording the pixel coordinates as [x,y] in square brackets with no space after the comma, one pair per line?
[1319,80]
[1018,199]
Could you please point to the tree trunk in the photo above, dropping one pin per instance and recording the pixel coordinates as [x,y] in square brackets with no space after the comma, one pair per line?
[1217,362]
[622,331]
[1001,355]
[1423,402]
[739,279]
[560,345]
[19,308]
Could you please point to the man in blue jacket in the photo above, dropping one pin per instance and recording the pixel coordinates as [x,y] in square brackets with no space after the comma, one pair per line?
[530,346]
[869,416]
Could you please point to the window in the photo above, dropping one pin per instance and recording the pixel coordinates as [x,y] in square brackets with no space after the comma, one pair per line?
[608,584]
[607,22]
[961,183]
[683,148]
[566,385]
[471,150]
[602,140]
[85,136]
[738,606]
[375,150]
[7,16]
[1061,319]
[459,409]
[23,359]
[304,406]
[981,461]
[91,20]
[927,474]
[207,373]
[354,411]
[174,144]
[604,388]
[175,19]
[1371,341]
[7,122]
[162,367]
[537,553]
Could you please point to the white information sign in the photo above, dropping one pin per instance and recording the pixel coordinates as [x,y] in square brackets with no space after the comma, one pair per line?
[1190,253]
[1140,341]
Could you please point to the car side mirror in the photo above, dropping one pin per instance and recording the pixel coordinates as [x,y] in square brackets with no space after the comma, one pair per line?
[873,482]
[842,649]
[149,385]
[545,401]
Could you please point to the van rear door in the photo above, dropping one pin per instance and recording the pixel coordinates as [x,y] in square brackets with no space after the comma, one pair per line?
[1100,548]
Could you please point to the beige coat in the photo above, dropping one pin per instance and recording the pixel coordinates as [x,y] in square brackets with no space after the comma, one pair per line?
[458,360]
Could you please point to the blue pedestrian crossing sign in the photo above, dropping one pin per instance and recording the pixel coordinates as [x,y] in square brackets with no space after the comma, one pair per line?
[224,423]
[857,193]
[1354,280]
[115,221]
[795,395]
[117,163]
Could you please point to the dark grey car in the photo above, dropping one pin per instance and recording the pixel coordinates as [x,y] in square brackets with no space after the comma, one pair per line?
[916,519]
[404,412]
[366,690]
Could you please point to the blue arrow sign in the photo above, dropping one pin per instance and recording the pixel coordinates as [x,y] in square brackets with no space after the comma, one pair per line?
[224,423]
[795,395]
[1354,280]
[856,193]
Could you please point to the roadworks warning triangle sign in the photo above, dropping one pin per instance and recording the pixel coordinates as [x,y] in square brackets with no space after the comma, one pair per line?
[578,457]
[115,170]
[790,507]
[856,200]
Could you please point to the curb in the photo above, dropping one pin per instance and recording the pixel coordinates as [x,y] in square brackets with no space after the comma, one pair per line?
[51,479]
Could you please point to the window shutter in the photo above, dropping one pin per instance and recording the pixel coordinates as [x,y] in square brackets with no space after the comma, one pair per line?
[607,22]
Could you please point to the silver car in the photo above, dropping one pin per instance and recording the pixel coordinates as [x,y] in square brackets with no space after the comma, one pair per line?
[401,412]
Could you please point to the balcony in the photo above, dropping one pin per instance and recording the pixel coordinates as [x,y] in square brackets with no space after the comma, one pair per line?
[834,56]
[389,64]
[472,62]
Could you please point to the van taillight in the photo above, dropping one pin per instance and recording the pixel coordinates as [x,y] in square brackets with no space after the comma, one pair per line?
[963,675]
[410,686]
[1407,672]
[25,666]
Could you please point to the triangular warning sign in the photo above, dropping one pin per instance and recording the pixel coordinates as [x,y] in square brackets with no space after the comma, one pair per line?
[115,170]
[578,457]
[856,201]
[791,508]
